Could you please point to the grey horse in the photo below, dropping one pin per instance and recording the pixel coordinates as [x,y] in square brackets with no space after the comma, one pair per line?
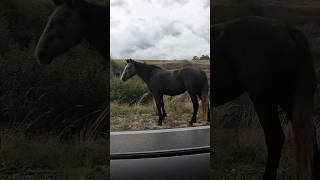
[171,82]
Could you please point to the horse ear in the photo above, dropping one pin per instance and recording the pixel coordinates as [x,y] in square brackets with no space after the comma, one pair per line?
[58,2]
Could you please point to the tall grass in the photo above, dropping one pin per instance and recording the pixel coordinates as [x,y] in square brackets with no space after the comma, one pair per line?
[65,96]
[51,117]
[25,158]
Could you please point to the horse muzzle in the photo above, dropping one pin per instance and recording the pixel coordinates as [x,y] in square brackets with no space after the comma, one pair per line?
[123,78]
[43,59]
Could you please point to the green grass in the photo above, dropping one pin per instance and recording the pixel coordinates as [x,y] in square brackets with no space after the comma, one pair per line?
[47,158]
[50,125]
[143,116]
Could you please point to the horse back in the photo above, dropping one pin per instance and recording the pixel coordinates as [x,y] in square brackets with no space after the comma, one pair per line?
[177,81]
[258,55]
[194,79]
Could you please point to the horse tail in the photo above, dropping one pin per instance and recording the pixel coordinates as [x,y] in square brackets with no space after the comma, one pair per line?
[205,108]
[205,97]
[303,94]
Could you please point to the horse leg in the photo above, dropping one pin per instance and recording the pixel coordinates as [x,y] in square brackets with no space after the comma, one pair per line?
[274,136]
[157,98]
[162,106]
[209,114]
[195,104]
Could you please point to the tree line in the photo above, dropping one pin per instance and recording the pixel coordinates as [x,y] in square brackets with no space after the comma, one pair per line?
[202,57]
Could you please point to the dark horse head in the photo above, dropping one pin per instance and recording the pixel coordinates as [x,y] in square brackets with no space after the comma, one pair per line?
[72,22]
[129,70]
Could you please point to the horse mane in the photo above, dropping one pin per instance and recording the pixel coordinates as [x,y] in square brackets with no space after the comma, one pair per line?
[145,71]
[148,66]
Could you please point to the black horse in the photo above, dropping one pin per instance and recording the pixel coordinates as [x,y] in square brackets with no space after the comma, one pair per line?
[272,62]
[72,22]
[171,82]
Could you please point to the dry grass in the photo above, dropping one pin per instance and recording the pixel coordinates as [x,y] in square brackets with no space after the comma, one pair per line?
[24,158]
[143,116]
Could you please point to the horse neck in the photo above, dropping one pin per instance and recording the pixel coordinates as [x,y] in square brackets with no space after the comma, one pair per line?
[97,30]
[145,72]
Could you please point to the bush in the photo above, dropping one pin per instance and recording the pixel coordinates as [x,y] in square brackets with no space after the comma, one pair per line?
[132,91]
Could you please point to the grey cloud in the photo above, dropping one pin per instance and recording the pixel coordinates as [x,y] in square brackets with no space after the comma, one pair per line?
[206,4]
[167,3]
[142,20]
[118,3]
[143,40]
[159,36]
[114,23]
[171,29]
[128,51]
[144,45]
[202,32]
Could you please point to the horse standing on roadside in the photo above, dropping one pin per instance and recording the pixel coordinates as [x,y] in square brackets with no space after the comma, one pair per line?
[172,82]
[272,62]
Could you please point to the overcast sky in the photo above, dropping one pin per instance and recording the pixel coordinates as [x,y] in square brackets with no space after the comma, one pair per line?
[159,29]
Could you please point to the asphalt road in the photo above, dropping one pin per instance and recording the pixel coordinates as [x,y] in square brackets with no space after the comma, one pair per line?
[166,154]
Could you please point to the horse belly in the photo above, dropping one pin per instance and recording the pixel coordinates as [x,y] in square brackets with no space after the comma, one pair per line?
[173,89]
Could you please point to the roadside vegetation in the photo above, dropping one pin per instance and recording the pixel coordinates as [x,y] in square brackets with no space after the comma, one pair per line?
[132,106]
[51,117]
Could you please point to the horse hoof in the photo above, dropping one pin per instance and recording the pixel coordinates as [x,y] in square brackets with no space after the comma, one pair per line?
[191,123]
